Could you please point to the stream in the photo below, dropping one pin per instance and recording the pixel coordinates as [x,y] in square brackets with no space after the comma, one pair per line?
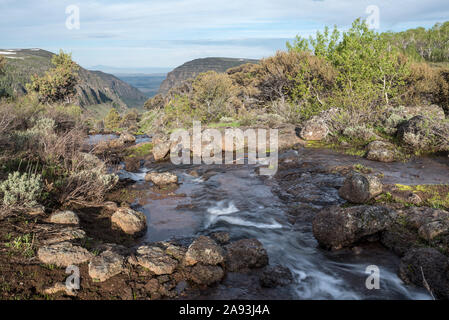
[235,199]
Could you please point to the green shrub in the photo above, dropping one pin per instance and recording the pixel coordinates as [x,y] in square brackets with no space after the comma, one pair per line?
[112,120]
[21,189]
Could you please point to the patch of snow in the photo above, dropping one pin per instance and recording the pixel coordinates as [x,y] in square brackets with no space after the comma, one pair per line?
[7,52]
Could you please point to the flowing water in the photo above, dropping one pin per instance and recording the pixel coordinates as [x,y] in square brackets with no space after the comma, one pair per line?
[235,199]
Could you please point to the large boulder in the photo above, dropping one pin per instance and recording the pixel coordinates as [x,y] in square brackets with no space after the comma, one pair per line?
[204,250]
[127,138]
[132,164]
[64,217]
[162,179]
[51,234]
[160,150]
[429,222]
[63,254]
[154,259]
[245,254]
[106,265]
[423,133]
[428,268]
[360,188]
[314,129]
[382,151]
[129,221]
[335,227]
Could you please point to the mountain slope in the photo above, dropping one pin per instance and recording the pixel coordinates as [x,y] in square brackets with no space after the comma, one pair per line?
[193,68]
[95,87]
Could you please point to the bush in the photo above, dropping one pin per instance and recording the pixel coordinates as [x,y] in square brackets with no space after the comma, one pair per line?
[58,84]
[112,120]
[213,95]
[21,190]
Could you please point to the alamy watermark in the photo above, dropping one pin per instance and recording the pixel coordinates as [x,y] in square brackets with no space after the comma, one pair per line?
[373,280]
[72,282]
[373,19]
[208,146]
[73,20]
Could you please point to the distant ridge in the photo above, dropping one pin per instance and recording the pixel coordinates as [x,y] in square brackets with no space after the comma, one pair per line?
[94,88]
[193,68]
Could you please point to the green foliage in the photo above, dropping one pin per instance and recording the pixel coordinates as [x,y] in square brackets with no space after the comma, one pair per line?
[58,84]
[213,94]
[21,189]
[22,244]
[112,120]
[2,64]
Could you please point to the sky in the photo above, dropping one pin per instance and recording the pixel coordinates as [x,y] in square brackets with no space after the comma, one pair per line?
[167,33]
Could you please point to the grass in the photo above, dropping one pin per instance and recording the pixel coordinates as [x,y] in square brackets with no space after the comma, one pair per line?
[141,150]
[234,124]
[22,244]
[351,150]
[435,196]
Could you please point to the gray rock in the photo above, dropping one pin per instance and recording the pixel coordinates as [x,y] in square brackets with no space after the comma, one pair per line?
[381,151]
[276,276]
[63,254]
[162,179]
[335,227]
[206,274]
[160,150]
[155,259]
[106,265]
[64,217]
[314,129]
[204,250]
[360,188]
[130,221]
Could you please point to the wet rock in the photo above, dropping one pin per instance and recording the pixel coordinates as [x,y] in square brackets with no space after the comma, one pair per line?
[221,237]
[429,222]
[127,138]
[152,286]
[64,217]
[162,179]
[314,129]
[155,259]
[59,287]
[63,254]
[381,151]
[276,276]
[337,227]
[245,254]
[132,164]
[130,221]
[360,188]
[204,250]
[160,150]
[106,265]
[426,267]
[206,274]
[173,250]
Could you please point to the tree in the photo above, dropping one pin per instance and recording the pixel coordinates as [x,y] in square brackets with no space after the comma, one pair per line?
[59,83]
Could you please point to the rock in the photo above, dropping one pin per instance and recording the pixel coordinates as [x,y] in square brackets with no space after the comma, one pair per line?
[204,250]
[59,287]
[245,254]
[221,237]
[109,205]
[130,221]
[55,234]
[132,164]
[360,188]
[314,129]
[206,275]
[36,211]
[381,151]
[63,254]
[155,259]
[162,179]
[274,276]
[429,222]
[64,217]
[106,265]
[335,227]
[175,251]
[161,150]
[430,263]
[152,286]
[127,138]
[423,133]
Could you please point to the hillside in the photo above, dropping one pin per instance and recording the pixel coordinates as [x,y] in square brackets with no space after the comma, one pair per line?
[193,68]
[95,87]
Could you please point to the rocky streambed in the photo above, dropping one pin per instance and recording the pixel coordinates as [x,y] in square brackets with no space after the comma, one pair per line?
[225,232]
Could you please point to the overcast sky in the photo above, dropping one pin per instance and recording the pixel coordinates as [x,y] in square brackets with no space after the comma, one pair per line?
[166,33]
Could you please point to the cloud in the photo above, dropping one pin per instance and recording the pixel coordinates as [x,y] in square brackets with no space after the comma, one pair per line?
[180,29]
